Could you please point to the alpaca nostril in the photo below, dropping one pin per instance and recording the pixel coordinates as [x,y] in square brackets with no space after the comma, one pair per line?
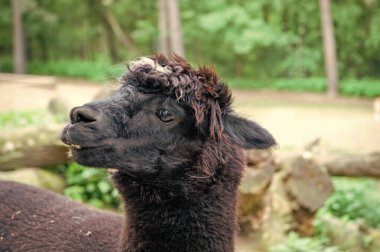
[82,118]
[82,115]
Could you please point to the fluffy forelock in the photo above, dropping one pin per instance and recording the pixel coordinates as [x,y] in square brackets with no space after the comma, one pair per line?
[197,88]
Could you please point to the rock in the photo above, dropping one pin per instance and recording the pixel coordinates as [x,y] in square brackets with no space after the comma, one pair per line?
[309,183]
[254,157]
[36,177]
[252,192]
[59,108]
[351,236]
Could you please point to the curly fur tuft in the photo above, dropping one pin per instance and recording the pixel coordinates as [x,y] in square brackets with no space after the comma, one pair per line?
[198,88]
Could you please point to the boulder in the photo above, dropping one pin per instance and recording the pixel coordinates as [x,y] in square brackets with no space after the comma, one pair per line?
[36,177]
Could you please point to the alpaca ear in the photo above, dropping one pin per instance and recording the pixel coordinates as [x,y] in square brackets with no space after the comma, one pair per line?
[247,134]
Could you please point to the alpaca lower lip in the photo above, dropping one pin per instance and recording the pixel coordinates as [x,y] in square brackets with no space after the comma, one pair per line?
[80,148]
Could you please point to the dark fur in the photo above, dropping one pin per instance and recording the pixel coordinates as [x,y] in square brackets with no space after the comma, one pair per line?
[199,89]
[178,179]
[32,219]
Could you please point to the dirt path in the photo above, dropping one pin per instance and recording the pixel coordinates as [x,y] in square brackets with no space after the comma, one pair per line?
[28,92]
[344,124]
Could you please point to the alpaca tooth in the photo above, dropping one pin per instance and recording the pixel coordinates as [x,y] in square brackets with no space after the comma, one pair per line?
[112,170]
[75,146]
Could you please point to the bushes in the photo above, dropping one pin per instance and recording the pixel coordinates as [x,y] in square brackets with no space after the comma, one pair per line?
[361,88]
[355,199]
[90,185]
[303,85]
[97,71]
[246,83]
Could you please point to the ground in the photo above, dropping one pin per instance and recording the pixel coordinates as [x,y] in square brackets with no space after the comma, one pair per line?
[345,125]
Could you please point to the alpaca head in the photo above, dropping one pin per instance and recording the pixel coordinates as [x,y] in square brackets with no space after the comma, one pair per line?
[157,123]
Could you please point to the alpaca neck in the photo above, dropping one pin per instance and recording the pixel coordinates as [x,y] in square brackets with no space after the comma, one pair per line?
[161,220]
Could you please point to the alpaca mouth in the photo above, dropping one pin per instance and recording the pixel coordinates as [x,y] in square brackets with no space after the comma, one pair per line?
[112,170]
[77,147]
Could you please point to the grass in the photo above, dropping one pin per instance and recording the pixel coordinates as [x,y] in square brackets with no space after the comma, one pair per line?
[17,119]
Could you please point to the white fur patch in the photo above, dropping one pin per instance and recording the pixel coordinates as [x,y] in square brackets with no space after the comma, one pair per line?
[147,61]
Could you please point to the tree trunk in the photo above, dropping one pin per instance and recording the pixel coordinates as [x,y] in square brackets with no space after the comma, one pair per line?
[32,147]
[355,165]
[110,35]
[117,29]
[176,41]
[170,38]
[164,44]
[329,48]
[19,55]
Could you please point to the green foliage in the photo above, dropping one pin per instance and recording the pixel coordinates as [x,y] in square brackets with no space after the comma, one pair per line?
[26,118]
[294,243]
[364,88]
[243,83]
[261,40]
[6,64]
[90,185]
[355,199]
[303,85]
[97,71]
[357,48]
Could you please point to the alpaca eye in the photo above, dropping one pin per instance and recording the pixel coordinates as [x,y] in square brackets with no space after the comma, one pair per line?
[164,115]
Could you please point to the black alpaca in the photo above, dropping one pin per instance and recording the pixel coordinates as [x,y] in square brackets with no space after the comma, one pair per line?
[175,142]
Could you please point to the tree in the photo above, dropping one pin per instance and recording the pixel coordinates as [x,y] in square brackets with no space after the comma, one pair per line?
[170,28]
[113,24]
[164,44]
[19,55]
[329,48]
[175,28]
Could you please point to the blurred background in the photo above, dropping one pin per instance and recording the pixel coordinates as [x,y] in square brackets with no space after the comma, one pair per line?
[308,71]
